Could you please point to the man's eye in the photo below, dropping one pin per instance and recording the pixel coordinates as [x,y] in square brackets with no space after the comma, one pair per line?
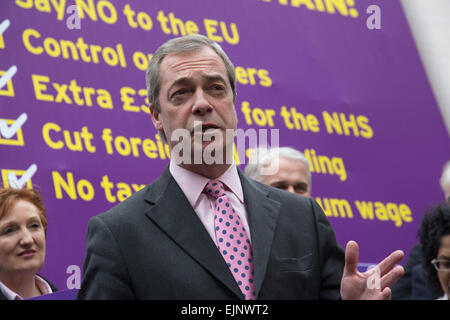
[217,88]
[280,186]
[179,92]
[300,188]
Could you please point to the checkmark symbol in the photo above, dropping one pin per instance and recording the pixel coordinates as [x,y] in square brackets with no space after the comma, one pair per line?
[7,76]
[9,131]
[18,183]
[4,25]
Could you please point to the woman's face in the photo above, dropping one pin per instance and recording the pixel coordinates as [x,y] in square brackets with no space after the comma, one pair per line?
[444,254]
[22,240]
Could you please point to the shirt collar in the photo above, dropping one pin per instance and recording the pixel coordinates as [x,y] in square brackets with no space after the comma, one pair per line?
[8,293]
[192,184]
[42,285]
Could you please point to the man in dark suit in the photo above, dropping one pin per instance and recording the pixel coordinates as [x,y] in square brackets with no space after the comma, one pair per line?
[203,230]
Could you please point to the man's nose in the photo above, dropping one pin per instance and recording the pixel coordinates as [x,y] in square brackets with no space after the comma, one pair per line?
[201,104]
[290,189]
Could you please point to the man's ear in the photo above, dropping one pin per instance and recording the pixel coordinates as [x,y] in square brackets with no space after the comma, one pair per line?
[156,118]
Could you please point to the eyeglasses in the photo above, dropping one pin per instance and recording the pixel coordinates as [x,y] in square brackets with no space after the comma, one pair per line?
[441,264]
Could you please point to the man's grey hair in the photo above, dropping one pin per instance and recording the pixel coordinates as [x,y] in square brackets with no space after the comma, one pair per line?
[445,179]
[179,45]
[261,157]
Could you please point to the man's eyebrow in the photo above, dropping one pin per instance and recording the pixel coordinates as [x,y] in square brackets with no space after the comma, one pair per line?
[178,81]
[278,182]
[186,80]
[213,78]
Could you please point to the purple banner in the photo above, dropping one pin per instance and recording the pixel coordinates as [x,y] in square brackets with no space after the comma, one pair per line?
[342,82]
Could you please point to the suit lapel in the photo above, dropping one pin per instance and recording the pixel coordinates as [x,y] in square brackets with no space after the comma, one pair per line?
[174,214]
[262,214]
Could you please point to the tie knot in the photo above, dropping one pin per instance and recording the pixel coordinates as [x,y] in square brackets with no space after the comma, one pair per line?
[215,188]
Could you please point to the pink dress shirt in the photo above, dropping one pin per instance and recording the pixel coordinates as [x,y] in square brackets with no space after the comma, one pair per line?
[192,185]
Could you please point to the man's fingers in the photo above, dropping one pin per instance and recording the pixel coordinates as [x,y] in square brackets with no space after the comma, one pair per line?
[391,277]
[386,294]
[351,257]
[389,262]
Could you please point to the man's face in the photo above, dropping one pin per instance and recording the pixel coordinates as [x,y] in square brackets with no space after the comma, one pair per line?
[291,176]
[195,90]
[22,240]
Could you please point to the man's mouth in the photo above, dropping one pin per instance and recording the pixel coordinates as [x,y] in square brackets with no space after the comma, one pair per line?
[204,127]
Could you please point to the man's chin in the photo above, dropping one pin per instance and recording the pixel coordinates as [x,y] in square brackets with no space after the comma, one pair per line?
[202,152]
[209,152]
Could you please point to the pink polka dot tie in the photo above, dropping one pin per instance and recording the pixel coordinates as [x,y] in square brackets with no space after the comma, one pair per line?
[232,240]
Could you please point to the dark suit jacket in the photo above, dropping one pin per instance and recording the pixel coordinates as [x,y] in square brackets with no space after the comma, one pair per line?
[54,289]
[153,246]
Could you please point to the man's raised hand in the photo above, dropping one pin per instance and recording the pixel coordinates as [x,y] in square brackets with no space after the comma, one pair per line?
[373,284]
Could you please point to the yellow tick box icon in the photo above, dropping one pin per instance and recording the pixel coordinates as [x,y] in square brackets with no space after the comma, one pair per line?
[16,140]
[18,174]
[8,89]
